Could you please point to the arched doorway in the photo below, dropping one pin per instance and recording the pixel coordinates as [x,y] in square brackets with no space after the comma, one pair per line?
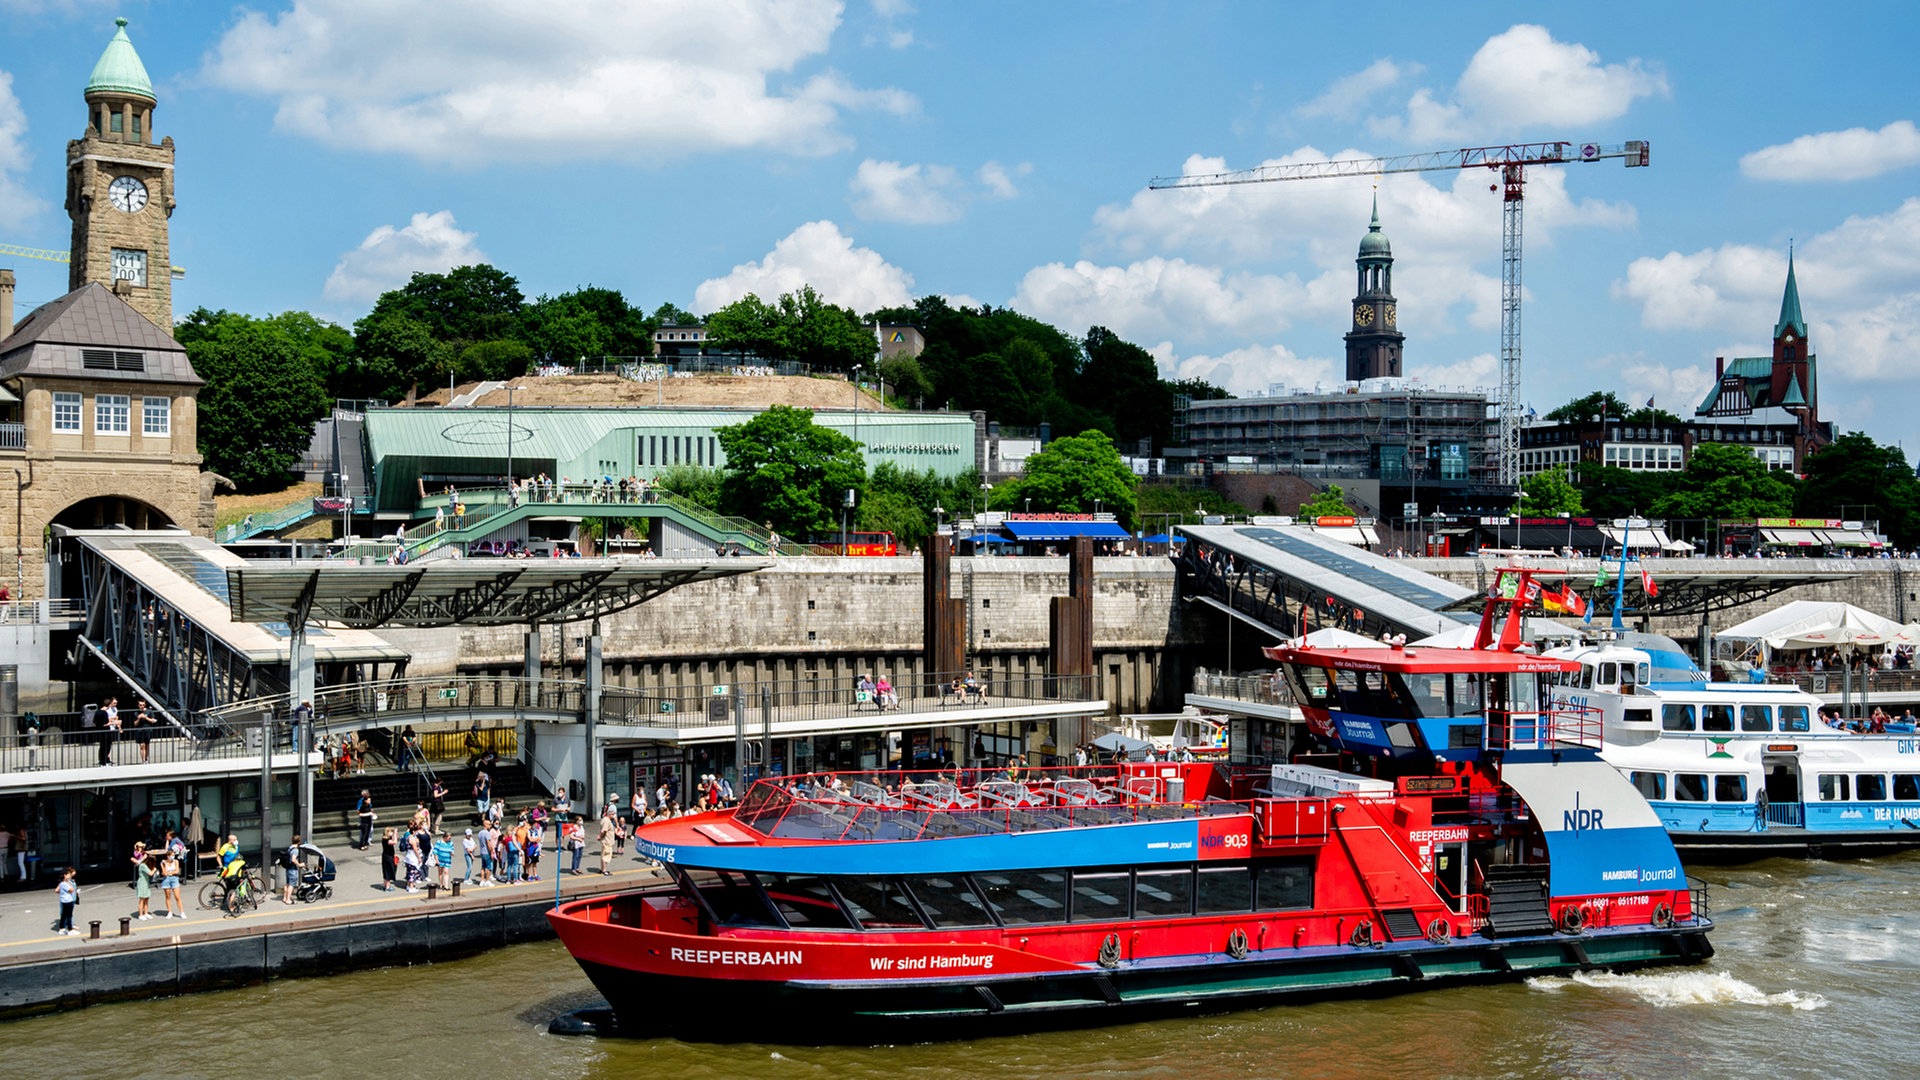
[113,512]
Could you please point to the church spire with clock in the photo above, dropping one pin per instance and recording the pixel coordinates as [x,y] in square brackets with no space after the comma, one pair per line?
[1374,344]
[120,187]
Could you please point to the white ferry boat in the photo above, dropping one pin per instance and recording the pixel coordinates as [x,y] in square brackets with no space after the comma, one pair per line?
[1742,769]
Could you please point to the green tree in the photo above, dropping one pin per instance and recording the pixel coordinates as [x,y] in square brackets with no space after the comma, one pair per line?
[823,336]
[262,396]
[672,314]
[1609,491]
[749,325]
[628,330]
[1071,475]
[1548,494]
[1329,503]
[1590,407]
[562,329]
[786,470]
[1160,503]
[696,483]
[1198,389]
[1122,380]
[1854,476]
[394,342]
[501,359]
[1726,481]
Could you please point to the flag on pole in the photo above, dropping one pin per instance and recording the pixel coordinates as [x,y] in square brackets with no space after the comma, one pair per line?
[1563,601]
[1600,578]
[1649,401]
[1647,583]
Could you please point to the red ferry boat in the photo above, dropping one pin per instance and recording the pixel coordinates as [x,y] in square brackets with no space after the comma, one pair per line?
[1468,831]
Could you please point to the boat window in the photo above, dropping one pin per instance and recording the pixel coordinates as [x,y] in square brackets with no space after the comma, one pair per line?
[1609,674]
[1645,672]
[1223,890]
[1100,895]
[1793,718]
[733,899]
[1716,718]
[1429,693]
[1160,893]
[1586,677]
[949,901]
[1676,717]
[879,903]
[1690,787]
[1906,787]
[1628,675]
[1283,884]
[1025,896]
[1833,787]
[1310,684]
[1651,785]
[1870,787]
[1730,787]
[1756,718]
[805,901]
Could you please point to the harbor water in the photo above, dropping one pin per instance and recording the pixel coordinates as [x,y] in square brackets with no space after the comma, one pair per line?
[1814,978]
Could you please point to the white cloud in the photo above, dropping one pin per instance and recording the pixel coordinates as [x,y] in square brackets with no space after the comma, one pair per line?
[1157,297]
[999,181]
[1853,154]
[1481,371]
[508,81]
[18,204]
[1859,290]
[908,194]
[816,254]
[1250,370]
[1348,95]
[1524,80]
[388,257]
[1675,389]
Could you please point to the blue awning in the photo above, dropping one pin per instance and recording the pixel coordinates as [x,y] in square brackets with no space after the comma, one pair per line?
[1065,530]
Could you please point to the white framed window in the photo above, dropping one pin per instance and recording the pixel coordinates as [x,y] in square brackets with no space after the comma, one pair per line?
[66,413]
[156,416]
[110,414]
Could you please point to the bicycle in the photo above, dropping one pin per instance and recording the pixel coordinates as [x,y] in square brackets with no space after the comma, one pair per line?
[213,895]
[245,893]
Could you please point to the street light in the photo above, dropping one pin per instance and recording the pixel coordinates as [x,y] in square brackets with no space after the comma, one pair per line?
[1029,505]
[510,391]
[1568,514]
[939,516]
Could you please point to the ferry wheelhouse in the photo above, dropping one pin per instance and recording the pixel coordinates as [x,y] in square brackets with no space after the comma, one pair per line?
[1470,834]
[1742,769]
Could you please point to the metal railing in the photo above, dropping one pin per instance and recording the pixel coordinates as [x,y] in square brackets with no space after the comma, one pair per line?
[799,702]
[1265,689]
[41,612]
[461,698]
[13,436]
[1868,682]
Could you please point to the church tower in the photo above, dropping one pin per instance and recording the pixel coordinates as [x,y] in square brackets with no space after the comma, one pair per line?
[120,188]
[1792,383]
[1374,343]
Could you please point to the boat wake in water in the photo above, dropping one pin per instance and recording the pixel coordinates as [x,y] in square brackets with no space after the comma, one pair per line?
[1670,989]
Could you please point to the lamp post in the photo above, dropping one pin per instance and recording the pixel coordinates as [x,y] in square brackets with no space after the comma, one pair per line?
[1568,514]
[510,391]
[939,517]
[1028,505]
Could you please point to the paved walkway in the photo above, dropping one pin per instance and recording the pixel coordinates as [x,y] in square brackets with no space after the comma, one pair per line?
[28,912]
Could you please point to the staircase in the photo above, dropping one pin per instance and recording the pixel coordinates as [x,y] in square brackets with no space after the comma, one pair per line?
[396,794]
[1517,901]
[348,431]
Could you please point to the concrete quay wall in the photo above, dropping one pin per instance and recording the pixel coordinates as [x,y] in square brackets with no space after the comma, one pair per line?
[81,973]
[827,620]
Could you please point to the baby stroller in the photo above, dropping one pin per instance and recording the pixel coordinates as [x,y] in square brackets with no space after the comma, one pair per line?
[316,875]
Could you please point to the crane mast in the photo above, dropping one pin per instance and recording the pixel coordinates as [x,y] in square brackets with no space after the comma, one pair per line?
[1512,161]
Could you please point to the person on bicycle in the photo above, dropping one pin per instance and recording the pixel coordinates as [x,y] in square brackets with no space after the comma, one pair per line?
[234,876]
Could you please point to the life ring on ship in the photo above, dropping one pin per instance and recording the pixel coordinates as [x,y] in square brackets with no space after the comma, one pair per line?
[1237,944]
[1362,935]
[1110,951]
[1572,919]
[1439,931]
[1662,915]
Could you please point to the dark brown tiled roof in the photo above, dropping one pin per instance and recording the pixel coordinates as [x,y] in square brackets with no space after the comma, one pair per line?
[50,340]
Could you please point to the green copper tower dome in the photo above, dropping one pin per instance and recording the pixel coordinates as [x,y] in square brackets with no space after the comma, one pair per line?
[1375,242]
[120,70]
[1790,317]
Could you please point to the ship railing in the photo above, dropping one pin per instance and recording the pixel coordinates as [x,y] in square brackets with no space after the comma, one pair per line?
[1791,814]
[1557,727]
[1697,896]
[807,700]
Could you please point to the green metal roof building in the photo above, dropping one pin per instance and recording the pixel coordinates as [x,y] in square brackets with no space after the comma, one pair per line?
[410,452]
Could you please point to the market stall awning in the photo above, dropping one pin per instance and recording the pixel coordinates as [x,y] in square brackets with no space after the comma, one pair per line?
[1793,537]
[1357,535]
[1642,539]
[1065,530]
[1848,537]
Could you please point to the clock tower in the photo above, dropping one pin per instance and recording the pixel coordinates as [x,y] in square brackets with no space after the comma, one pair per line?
[1374,343]
[120,188]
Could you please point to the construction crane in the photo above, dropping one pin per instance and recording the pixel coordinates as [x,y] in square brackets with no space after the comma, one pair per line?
[1511,162]
[50,255]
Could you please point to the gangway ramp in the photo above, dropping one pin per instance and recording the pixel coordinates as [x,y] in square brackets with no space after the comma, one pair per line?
[159,616]
[1290,579]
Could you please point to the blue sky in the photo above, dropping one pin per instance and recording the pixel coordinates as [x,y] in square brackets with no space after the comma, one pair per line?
[998,152]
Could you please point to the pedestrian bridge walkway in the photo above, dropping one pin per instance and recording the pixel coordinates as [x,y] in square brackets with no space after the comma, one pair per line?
[1288,581]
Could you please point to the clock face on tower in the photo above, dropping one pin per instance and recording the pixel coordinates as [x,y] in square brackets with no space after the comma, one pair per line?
[127,194]
[1363,315]
[1386,314]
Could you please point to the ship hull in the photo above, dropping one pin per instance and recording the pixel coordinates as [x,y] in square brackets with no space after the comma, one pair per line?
[647,1003]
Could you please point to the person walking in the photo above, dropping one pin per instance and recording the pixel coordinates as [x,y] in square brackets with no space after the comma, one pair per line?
[483,793]
[443,859]
[290,870]
[68,894]
[608,826]
[437,804]
[466,848]
[364,808]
